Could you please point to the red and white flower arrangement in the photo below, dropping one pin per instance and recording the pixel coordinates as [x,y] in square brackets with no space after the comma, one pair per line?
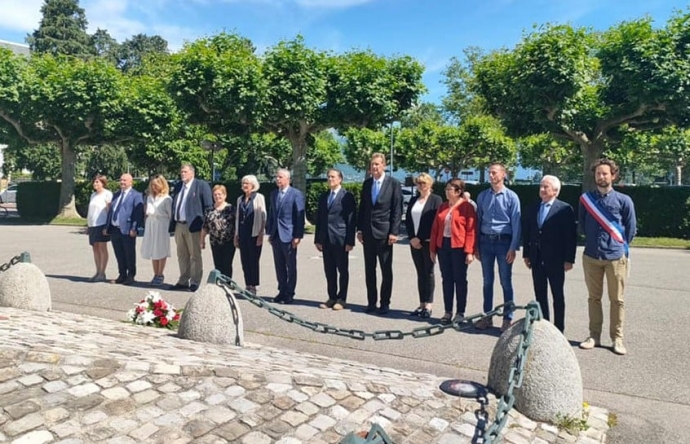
[153,310]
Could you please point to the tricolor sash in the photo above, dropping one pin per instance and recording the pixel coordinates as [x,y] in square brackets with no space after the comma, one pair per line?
[604,218]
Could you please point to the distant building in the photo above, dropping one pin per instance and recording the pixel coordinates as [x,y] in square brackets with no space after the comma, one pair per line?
[17,48]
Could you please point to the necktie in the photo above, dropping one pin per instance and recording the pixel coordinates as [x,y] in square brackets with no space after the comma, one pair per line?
[331,198]
[544,210]
[116,212]
[375,191]
[179,204]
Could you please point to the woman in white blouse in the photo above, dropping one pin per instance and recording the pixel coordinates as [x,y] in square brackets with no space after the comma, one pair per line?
[419,219]
[97,219]
[156,243]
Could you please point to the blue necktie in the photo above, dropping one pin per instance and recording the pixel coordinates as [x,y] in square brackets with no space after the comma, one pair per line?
[331,198]
[543,211]
[375,191]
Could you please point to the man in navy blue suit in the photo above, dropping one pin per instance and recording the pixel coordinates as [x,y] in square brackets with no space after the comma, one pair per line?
[126,214]
[285,229]
[549,235]
[335,237]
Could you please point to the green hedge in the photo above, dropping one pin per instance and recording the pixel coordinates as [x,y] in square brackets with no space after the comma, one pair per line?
[661,212]
[38,201]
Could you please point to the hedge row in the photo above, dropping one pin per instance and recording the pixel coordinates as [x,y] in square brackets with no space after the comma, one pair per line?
[661,212]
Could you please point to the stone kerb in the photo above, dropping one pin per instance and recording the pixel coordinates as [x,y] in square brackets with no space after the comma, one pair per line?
[552,383]
[208,317]
[25,286]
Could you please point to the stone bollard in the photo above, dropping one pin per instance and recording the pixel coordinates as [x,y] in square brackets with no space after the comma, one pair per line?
[24,286]
[552,384]
[209,316]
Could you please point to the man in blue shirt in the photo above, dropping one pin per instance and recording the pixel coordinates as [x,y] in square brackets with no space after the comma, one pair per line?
[498,217]
[607,219]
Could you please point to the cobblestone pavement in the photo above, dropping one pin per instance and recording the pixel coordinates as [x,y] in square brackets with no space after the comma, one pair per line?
[76,379]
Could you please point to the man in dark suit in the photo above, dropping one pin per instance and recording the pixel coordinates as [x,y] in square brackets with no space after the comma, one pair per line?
[549,239]
[285,229]
[125,215]
[192,199]
[335,237]
[378,221]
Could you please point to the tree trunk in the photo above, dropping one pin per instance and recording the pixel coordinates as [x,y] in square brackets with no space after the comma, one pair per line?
[68,207]
[679,174]
[299,162]
[590,153]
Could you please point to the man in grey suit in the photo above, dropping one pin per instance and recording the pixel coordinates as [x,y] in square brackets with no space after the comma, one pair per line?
[126,214]
[335,237]
[192,200]
[285,229]
[378,222]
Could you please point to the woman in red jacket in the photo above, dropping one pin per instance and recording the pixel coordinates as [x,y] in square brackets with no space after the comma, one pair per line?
[453,237]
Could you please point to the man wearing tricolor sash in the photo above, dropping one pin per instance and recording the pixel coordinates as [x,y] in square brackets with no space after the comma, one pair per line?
[607,219]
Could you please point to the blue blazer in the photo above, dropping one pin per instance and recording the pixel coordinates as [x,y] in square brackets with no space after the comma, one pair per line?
[130,214]
[335,225]
[556,241]
[286,218]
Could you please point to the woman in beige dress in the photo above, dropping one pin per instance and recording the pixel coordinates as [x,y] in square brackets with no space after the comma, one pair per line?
[156,243]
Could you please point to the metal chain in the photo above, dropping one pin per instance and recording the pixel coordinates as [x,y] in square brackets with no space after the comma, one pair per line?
[505,402]
[15,260]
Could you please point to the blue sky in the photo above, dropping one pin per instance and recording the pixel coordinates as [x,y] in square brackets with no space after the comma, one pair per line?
[432,31]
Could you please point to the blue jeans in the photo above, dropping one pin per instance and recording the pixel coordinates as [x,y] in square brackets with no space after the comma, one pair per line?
[494,250]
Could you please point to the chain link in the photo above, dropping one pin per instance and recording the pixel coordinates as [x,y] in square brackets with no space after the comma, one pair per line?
[505,402]
[15,260]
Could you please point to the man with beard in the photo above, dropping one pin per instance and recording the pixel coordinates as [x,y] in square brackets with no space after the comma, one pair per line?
[607,219]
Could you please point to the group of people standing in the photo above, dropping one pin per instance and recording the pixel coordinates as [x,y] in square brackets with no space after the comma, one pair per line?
[453,232]
[191,214]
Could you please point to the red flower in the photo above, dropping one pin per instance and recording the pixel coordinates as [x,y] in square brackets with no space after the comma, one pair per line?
[164,321]
[176,317]
[139,309]
[157,313]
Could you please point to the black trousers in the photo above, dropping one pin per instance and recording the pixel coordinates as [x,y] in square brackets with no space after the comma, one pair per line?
[454,276]
[124,246]
[378,249]
[250,254]
[554,276]
[425,273]
[336,266]
[223,256]
[285,261]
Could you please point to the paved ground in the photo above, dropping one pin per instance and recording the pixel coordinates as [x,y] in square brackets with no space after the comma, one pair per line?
[644,388]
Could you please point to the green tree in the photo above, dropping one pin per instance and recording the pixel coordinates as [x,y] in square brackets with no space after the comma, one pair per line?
[108,160]
[586,87]
[62,30]
[73,103]
[557,157]
[105,46]
[132,53]
[325,151]
[361,143]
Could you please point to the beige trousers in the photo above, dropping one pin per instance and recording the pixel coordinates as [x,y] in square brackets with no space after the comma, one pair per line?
[188,255]
[615,272]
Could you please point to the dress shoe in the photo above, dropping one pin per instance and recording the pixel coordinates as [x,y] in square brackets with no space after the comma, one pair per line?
[446,319]
[370,309]
[278,299]
[339,305]
[128,281]
[179,286]
[193,288]
[120,279]
[618,347]
[425,314]
[590,343]
[328,304]
[285,301]
[417,312]
[384,309]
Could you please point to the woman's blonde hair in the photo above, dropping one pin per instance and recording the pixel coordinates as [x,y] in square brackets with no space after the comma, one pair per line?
[424,178]
[158,185]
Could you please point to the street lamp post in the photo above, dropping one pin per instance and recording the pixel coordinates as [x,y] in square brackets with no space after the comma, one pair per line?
[213,147]
[392,149]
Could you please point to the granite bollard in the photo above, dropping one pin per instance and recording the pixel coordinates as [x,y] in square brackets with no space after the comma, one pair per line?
[552,383]
[25,286]
[208,317]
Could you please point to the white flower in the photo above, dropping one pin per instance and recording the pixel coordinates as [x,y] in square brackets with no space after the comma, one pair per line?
[170,314]
[147,317]
[153,297]
[131,315]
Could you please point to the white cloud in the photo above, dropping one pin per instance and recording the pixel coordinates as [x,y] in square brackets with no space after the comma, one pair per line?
[20,15]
